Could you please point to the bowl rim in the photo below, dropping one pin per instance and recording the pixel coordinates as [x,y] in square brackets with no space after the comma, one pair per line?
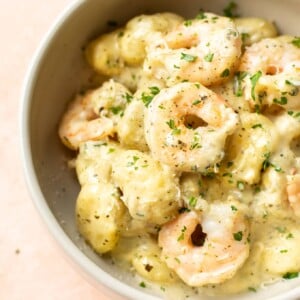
[92,270]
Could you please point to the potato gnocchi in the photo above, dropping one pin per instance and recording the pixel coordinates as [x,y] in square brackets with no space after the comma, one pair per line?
[188,155]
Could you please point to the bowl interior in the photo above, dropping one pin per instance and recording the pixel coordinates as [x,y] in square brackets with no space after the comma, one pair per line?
[59,72]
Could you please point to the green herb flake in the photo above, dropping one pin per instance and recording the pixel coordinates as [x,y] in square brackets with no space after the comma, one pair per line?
[193,201]
[116,110]
[229,10]
[238,236]
[188,23]
[188,57]
[128,97]
[201,15]
[142,284]
[181,237]
[251,289]
[196,102]
[254,79]
[296,42]
[281,101]
[240,185]
[225,73]
[172,126]
[289,236]
[283,251]
[257,126]
[244,36]
[290,275]
[233,208]
[147,98]
[209,57]
[239,77]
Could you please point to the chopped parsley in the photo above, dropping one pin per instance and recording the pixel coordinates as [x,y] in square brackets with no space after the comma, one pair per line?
[142,284]
[225,73]
[252,289]
[233,208]
[147,98]
[128,97]
[283,251]
[196,102]
[296,42]
[193,201]
[239,77]
[116,110]
[209,57]
[281,101]
[201,15]
[240,185]
[290,275]
[238,236]
[257,126]
[172,126]
[188,57]
[181,237]
[266,163]
[254,79]
[188,23]
[229,10]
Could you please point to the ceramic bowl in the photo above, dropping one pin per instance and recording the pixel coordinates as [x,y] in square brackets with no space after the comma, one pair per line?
[57,72]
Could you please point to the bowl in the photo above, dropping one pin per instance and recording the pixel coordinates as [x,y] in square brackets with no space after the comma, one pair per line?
[57,72]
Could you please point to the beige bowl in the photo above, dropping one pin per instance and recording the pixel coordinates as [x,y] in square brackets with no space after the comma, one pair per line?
[58,71]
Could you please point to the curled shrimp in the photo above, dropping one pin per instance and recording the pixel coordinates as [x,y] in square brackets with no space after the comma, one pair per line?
[270,70]
[94,115]
[205,50]
[206,248]
[293,192]
[186,127]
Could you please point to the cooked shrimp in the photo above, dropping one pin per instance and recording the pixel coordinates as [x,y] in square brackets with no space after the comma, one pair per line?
[94,115]
[205,50]
[293,191]
[80,123]
[206,248]
[186,127]
[272,72]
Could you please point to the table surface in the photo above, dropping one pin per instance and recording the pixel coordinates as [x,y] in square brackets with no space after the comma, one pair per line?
[31,264]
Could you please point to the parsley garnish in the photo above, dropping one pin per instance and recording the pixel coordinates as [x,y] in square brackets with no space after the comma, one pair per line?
[142,284]
[147,98]
[172,126]
[240,185]
[254,79]
[233,208]
[229,10]
[196,102]
[290,275]
[266,163]
[116,110]
[238,236]
[225,73]
[193,201]
[251,289]
[188,57]
[201,15]
[281,101]
[209,57]
[181,237]
[188,23]
[239,77]
[128,97]
[296,42]
[256,126]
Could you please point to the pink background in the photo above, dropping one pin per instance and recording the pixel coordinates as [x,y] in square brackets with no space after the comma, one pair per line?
[31,264]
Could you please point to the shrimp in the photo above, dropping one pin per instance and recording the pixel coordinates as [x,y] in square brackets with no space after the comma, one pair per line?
[206,248]
[94,115]
[293,192]
[270,72]
[205,50]
[186,127]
